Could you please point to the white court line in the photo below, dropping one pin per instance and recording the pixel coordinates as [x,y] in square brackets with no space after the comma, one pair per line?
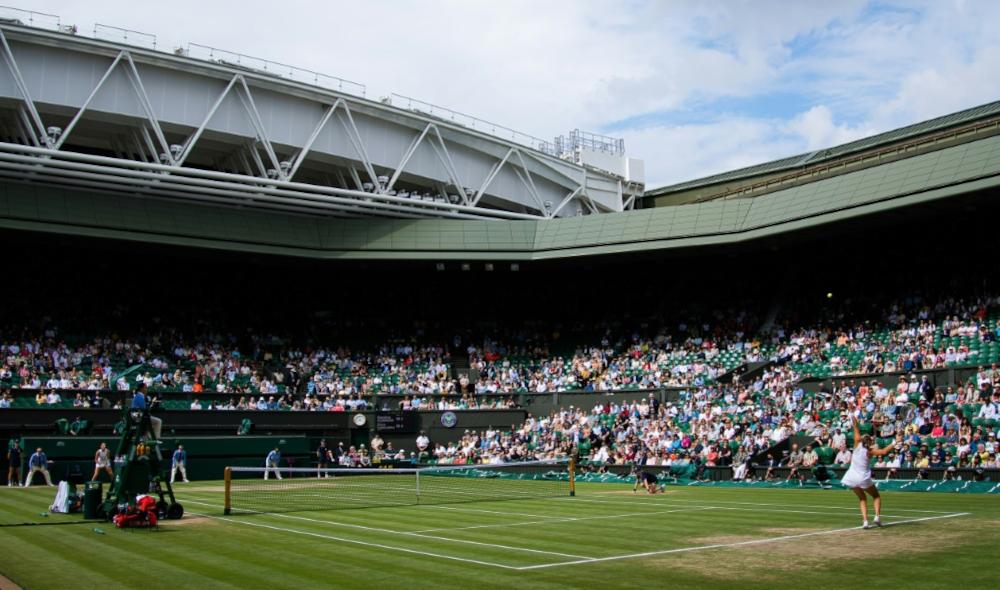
[780,510]
[357,542]
[737,544]
[416,534]
[566,519]
[672,499]
[425,536]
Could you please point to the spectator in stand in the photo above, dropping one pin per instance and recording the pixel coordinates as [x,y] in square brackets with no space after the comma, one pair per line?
[990,409]
[741,464]
[423,445]
[922,463]
[838,440]
[809,460]
[377,444]
[795,463]
[843,455]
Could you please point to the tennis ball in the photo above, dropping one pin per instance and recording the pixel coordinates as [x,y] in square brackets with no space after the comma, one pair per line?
[829,295]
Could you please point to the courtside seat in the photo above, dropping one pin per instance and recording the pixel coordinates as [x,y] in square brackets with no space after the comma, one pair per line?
[826,455]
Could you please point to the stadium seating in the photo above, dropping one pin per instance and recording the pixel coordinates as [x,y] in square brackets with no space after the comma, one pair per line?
[716,420]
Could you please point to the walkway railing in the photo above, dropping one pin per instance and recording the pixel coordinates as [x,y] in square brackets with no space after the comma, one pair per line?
[453,116]
[125,36]
[31,18]
[266,66]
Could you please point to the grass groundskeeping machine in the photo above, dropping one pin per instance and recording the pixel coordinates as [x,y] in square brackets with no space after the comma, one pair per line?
[139,470]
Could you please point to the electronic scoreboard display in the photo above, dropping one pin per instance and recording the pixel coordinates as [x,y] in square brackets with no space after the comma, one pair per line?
[397,422]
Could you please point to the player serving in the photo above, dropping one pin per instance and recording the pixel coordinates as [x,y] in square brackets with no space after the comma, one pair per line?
[647,479]
[859,475]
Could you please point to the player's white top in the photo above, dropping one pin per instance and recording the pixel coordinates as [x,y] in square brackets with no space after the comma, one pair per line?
[102,458]
[859,475]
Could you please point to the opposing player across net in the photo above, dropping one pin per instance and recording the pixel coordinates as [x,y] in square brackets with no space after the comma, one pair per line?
[246,490]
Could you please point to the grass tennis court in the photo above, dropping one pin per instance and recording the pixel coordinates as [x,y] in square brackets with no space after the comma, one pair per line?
[605,537]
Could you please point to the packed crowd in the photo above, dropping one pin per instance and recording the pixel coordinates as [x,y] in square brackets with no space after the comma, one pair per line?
[268,371]
[913,336]
[694,352]
[728,425]
[713,423]
[709,425]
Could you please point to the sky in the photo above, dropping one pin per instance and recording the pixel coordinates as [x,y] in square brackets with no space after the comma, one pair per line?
[694,87]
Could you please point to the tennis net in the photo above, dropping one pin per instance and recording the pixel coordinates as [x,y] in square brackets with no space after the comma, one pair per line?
[303,488]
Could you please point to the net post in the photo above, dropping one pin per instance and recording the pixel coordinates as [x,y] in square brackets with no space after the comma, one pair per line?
[572,476]
[229,484]
[417,474]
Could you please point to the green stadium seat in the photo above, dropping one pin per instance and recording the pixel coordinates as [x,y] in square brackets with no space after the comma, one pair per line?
[62,426]
[245,428]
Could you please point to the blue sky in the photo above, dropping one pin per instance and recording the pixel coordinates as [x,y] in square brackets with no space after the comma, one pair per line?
[766,105]
[694,87]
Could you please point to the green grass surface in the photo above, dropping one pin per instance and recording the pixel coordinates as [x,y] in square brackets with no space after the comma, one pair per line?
[687,538]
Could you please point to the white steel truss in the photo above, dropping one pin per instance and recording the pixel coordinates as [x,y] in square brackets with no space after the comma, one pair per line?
[38,135]
[146,163]
[195,181]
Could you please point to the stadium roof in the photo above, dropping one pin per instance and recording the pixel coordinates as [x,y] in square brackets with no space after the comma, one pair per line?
[921,164]
[980,112]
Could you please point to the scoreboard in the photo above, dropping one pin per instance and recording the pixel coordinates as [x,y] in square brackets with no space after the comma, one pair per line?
[401,422]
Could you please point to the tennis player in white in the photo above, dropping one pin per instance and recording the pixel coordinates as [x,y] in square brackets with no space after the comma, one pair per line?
[859,475]
[102,462]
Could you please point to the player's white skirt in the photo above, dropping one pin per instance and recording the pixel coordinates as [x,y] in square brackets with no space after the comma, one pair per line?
[857,480]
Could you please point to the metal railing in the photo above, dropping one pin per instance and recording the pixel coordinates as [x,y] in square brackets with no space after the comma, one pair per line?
[31,18]
[125,36]
[591,141]
[265,66]
[452,116]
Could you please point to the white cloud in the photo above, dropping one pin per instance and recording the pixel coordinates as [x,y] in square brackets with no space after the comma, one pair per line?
[683,152]
[940,89]
[818,129]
